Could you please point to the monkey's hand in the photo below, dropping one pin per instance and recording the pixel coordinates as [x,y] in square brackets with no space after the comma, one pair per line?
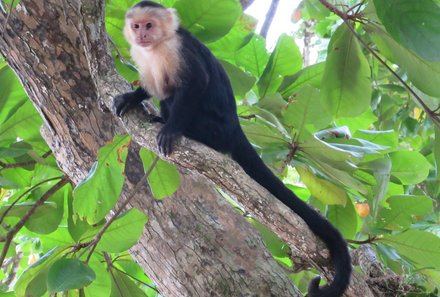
[166,139]
[123,103]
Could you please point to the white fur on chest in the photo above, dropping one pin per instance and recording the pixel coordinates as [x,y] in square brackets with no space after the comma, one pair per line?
[158,68]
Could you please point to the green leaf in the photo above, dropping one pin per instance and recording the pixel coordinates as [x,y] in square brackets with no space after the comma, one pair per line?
[77,227]
[273,103]
[47,221]
[69,274]
[12,94]
[32,282]
[123,233]
[24,123]
[276,246]
[414,24]
[386,138]
[208,19]
[402,210]
[363,121]
[423,74]
[241,81]
[253,57]
[101,286]
[311,75]
[321,189]
[164,180]
[264,134]
[420,247]
[305,108]
[285,60]
[346,85]
[410,167]
[316,10]
[123,286]
[241,33]
[15,178]
[20,209]
[344,218]
[95,196]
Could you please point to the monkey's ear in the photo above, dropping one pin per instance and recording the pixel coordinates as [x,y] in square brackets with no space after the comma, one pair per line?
[174,18]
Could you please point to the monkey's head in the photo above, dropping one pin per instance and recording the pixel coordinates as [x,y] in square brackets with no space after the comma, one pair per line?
[148,24]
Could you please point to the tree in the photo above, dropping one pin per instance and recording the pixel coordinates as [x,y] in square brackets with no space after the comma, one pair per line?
[360,143]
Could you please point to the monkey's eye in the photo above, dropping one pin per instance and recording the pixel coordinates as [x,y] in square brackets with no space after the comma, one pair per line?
[135,26]
[149,25]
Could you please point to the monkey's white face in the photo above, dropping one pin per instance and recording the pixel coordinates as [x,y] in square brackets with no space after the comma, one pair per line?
[147,27]
[145,32]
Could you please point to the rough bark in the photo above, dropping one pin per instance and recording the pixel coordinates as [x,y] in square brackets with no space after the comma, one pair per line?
[194,243]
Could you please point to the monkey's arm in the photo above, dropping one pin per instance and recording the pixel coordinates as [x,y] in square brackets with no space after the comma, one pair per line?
[127,101]
[182,111]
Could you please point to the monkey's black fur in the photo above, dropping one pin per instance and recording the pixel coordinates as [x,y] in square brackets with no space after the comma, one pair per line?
[202,107]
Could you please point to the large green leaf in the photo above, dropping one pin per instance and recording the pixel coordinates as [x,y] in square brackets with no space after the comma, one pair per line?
[241,81]
[208,19]
[123,286]
[346,85]
[253,57]
[409,166]
[24,123]
[124,232]
[311,75]
[386,138]
[423,74]
[362,121]
[47,220]
[276,246]
[414,24]
[164,180]
[95,196]
[322,189]
[12,95]
[241,33]
[264,134]
[421,247]
[69,274]
[305,108]
[285,60]
[402,210]
[344,218]
[15,178]
[101,286]
[32,281]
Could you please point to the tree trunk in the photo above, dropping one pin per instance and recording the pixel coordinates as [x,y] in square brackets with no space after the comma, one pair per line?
[195,244]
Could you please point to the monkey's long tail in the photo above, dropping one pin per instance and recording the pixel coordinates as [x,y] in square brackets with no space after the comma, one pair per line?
[252,164]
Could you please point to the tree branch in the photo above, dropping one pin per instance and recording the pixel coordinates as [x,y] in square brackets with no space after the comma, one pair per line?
[269,17]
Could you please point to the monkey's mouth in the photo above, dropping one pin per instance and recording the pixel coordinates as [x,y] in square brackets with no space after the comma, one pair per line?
[144,43]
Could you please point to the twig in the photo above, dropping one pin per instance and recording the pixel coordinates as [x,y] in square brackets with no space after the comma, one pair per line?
[94,242]
[292,151]
[370,239]
[7,18]
[22,164]
[246,3]
[269,17]
[26,217]
[26,192]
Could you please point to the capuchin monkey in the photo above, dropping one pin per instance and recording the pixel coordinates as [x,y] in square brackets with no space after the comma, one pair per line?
[196,100]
